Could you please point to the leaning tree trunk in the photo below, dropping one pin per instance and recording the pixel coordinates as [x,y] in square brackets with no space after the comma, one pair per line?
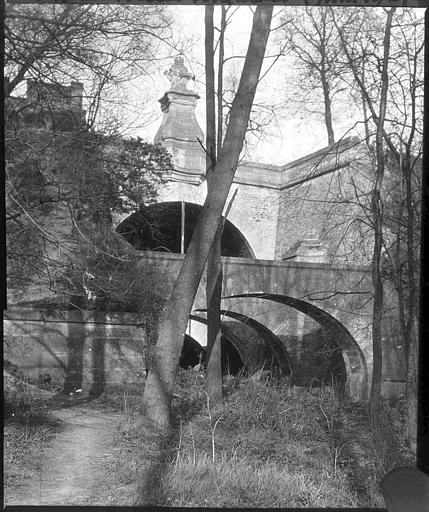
[163,366]
[214,349]
[159,385]
[214,263]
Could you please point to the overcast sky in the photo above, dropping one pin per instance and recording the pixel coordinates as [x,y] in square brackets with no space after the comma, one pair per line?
[293,133]
[289,137]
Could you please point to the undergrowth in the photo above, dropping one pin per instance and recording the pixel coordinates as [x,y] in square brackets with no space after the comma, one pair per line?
[263,448]
[246,482]
[122,397]
[27,410]
[266,447]
[28,425]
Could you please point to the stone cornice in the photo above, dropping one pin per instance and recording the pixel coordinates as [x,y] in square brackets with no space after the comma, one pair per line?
[168,256]
[281,177]
[183,176]
[321,162]
[258,175]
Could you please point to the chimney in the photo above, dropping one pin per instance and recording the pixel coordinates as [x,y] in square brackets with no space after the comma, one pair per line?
[76,95]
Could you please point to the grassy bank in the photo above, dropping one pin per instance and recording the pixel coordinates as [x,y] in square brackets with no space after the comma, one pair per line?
[268,448]
[264,447]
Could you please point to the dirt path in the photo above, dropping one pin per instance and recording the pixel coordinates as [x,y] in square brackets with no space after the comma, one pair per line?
[75,463]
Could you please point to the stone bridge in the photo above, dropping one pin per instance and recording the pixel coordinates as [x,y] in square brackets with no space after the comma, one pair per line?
[314,318]
[290,300]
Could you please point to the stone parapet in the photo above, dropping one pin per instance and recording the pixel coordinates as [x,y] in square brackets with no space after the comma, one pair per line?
[321,162]
[259,175]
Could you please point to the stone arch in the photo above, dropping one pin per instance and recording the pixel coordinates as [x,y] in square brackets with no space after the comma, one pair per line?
[233,353]
[157,227]
[356,386]
[274,344]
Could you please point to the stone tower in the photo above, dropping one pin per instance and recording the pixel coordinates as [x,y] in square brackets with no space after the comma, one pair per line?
[179,131]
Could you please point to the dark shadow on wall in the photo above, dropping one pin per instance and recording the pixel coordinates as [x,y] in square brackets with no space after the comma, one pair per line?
[75,353]
[98,356]
[231,361]
[319,362]
[48,332]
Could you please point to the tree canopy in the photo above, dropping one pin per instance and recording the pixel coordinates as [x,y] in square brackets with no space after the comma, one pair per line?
[103,46]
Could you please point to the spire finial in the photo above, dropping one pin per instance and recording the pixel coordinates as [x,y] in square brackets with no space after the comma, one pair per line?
[179,75]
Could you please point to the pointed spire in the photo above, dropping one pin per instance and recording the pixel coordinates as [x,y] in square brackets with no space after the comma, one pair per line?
[180,132]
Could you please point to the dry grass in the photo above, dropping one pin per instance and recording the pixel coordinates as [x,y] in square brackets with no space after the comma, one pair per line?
[248,483]
[28,425]
[268,448]
[263,448]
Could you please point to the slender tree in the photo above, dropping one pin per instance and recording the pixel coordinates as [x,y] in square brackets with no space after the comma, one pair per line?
[165,357]
[377,213]
[376,206]
[360,64]
[309,35]
[157,394]
[214,263]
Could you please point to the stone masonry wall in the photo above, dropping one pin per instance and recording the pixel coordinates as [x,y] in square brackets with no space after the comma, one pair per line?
[255,214]
[328,208]
[85,350]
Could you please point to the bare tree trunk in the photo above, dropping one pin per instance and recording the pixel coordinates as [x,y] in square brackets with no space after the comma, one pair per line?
[364,106]
[210,93]
[376,205]
[214,263]
[325,81]
[412,320]
[163,365]
[412,257]
[377,215]
[214,294]
[411,328]
[328,110]
[220,79]
[158,390]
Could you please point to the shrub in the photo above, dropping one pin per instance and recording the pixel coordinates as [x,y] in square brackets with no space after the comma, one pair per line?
[27,410]
[124,397]
[189,397]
